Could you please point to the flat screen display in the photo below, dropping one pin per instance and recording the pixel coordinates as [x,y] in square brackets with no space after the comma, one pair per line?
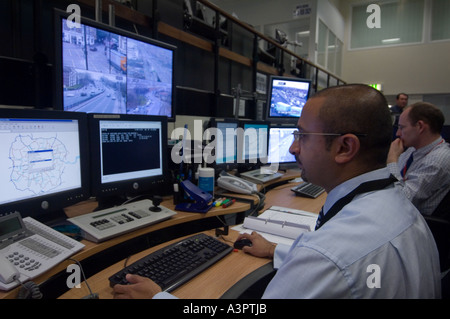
[226,147]
[280,140]
[39,156]
[44,162]
[128,155]
[286,97]
[101,69]
[138,144]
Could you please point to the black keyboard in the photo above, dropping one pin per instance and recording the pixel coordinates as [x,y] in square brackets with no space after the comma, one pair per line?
[174,265]
[308,190]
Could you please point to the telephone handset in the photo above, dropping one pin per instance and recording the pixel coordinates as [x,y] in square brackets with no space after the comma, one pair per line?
[8,273]
[236,184]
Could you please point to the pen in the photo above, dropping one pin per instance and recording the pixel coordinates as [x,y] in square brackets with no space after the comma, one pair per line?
[225,201]
[231,202]
[218,202]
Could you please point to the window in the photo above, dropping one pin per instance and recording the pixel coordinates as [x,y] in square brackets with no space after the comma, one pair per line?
[329,50]
[440,25]
[401,23]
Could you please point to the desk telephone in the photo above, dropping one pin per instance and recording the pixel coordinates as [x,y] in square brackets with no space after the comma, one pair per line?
[29,248]
[236,184]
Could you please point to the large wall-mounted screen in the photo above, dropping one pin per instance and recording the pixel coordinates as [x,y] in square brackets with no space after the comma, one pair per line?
[101,69]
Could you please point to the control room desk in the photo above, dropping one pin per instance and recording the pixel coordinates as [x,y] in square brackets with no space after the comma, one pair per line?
[95,250]
[219,278]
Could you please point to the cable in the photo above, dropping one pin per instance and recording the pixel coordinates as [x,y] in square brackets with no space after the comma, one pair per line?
[126,262]
[91,294]
[29,290]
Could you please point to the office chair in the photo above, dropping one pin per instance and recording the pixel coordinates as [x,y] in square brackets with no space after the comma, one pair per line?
[443,209]
[441,233]
[440,229]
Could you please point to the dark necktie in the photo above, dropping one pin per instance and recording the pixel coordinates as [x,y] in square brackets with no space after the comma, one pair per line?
[407,165]
[319,219]
[363,188]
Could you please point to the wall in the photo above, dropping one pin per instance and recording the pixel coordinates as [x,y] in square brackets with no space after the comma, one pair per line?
[414,69]
[260,12]
[421,70]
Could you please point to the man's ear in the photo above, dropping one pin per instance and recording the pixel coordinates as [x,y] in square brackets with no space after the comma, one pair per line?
[346,148]
[421,125]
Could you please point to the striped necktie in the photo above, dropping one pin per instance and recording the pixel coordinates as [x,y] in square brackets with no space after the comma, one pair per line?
[319,219]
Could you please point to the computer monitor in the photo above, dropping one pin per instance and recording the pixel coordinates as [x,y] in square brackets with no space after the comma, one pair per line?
[225,143]
[128,156]
[286,98]
[252,149]
[280,140]
[101,69]
[44,164]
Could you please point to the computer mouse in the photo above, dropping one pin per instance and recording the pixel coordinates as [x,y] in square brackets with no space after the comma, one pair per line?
[239,244]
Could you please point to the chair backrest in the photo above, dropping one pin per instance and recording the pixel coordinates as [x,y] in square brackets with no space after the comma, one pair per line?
[441,233]
[443,209]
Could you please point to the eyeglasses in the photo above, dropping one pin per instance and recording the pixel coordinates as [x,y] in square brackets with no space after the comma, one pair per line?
[299,135]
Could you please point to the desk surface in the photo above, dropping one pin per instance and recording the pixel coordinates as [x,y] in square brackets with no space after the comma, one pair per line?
[219,278]
[212,283]
[92,248]
[232,269]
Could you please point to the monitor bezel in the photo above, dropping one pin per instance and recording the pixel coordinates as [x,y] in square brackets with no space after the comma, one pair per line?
[226,166]
[51,206]
[147,186]
[246,164]
[280,126]
[284,119]
[58,67]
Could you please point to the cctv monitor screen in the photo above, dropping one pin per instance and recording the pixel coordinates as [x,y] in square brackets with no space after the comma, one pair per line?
[254,141]
[226,147]
[286,98]
[101,69]
[280,140]
[225,143]
[43,160]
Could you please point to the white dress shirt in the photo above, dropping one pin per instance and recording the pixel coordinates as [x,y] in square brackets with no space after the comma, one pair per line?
[377,246]
[427,180]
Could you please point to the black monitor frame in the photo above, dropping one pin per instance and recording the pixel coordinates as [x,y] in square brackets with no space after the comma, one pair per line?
[116,192]
[226,165]
[102,91]
[250,164]
[282,165]
[49,207]
[285,118]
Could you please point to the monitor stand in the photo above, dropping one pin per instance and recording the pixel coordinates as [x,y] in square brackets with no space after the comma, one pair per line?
[105,202]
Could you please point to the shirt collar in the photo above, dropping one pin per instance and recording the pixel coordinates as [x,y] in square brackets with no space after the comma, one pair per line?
[346,187]
[426,149]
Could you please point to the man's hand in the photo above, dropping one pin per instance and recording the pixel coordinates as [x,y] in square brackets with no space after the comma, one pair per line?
[139,288]
[261,247]
[395,150]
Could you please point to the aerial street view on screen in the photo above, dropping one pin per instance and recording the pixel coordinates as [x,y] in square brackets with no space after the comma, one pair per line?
[288,98]
[280,140]
[105,72]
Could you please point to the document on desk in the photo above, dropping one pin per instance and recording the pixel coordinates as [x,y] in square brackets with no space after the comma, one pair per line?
[280,224]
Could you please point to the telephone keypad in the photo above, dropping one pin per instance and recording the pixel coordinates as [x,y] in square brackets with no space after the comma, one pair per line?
[23,262]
